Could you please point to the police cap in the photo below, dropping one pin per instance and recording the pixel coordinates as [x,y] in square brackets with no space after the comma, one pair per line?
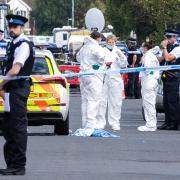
[171,33]
[132,40]
[16,19]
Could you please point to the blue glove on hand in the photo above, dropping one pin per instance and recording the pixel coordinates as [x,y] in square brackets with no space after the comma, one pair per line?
[95,66]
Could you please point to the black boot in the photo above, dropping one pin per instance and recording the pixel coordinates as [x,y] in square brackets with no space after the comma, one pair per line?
[13,171]
[163,126]
[172,127]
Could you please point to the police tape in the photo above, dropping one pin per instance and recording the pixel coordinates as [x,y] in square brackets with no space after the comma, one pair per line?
[95,72]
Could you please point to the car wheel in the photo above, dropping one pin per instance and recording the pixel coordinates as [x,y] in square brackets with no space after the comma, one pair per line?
[62,127]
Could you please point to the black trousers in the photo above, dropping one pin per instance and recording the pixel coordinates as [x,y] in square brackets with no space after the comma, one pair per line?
[15,126]
[171,101]
[134,89]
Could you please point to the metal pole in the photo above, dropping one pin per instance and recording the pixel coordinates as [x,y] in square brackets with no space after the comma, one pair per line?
[72,13]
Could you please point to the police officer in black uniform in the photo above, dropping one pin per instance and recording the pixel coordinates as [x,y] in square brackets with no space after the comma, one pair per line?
[171,79]
[133,78]
[19,63]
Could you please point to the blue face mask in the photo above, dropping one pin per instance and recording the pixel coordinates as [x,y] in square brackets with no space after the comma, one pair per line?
[110,47]
[141,50]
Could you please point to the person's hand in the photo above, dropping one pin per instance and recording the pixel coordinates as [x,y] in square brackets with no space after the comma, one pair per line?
[108,63]
[164,43]
[131,66]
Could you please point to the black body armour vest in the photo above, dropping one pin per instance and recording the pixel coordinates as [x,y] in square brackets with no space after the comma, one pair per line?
[26,70]
[171,73]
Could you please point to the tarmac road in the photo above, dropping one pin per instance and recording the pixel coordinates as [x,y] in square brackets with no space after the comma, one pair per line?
[133,156]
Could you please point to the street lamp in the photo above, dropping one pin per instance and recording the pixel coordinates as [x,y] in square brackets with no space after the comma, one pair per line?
[72,13]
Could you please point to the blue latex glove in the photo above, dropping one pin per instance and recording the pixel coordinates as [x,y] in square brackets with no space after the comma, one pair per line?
[95,66]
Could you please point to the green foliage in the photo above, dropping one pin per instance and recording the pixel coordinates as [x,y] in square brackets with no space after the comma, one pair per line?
[145,17]
[51,14]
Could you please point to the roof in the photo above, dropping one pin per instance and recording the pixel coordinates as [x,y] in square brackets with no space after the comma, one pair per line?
[21,2]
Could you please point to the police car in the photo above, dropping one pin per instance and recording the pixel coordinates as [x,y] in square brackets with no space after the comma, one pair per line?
[48,102]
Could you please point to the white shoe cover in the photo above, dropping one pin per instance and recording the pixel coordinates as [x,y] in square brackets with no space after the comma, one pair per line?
[116,128]
[145,128]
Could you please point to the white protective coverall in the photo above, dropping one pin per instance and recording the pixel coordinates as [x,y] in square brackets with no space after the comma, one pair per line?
[149,83]
[90,85]
[112,91]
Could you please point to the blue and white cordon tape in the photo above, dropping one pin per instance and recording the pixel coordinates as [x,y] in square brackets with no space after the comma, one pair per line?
[94,72]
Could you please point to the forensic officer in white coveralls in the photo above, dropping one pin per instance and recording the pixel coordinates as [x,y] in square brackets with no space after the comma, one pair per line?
[91,57]
[149,83]
[111,97]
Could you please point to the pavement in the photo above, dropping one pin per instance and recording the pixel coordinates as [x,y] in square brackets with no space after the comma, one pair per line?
[132,156]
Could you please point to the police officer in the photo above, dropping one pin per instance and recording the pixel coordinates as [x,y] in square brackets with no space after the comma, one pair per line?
[20,62]
[133,78]
[170,78]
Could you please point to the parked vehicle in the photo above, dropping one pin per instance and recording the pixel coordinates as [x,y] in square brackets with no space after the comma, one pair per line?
[73,81]
[48,102]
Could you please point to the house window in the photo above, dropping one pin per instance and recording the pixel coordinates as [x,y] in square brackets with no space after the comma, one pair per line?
[18,13]
[22,13]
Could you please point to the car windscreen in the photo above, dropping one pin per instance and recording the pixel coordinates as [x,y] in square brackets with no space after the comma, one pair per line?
[40,66]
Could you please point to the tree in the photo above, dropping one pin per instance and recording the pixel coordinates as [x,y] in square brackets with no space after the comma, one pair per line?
[55,13]
[51,14]
[81,8]
[164,13]
[146,17]
[119,15]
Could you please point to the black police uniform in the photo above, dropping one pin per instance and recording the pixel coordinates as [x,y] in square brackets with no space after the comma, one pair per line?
[15,115]
[171,79]
[133,78]
[15,121]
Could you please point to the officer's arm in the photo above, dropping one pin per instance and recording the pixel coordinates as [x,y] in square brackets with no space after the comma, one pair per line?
[134,60]
[160,59]
[14,70]
[168,56]
[11,73]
